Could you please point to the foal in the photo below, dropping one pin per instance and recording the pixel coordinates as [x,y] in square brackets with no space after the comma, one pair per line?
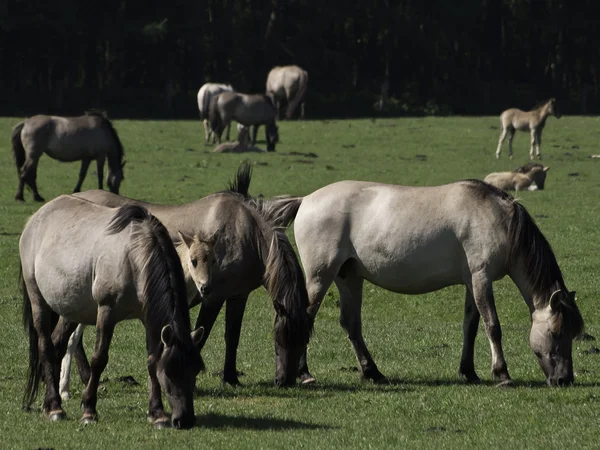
[531,177]
[533,121]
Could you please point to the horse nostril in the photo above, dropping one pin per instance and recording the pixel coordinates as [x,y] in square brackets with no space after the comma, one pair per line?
[205,290]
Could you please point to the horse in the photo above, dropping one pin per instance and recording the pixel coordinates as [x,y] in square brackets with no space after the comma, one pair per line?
[197,257]
[251,252]
[67,139]
[239,146]
[103,268]
[531,177]
[287,85]
[245,109]
[205,94]
[533,121]
[414,240]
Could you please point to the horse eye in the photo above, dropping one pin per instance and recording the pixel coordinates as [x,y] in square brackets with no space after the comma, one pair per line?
[194,262]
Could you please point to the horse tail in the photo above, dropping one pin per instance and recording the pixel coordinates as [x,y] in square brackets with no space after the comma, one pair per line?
[300,93]
[281,210]
[241,184]
[17,146]
[205,105]
[33,372]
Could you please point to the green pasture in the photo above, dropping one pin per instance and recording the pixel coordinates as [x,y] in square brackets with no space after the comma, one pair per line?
[416,340]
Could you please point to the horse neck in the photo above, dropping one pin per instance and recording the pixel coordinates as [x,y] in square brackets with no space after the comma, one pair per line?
[184,254]
[161,282]
[543,113]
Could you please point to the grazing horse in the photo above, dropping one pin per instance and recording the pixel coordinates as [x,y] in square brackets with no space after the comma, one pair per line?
[287,85]
[251,252]
[245,109]
[414,240]
[197,257]
[205,94]
[106,266]
[533,121]
[531,176]
[67,139]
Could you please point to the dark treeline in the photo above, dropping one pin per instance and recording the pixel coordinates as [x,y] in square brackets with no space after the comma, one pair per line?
[149,58]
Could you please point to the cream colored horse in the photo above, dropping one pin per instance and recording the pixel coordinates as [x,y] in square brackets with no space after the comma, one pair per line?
[414,240]
[242,145]
[287,85]
[205,94]
[530,177]
[533,121]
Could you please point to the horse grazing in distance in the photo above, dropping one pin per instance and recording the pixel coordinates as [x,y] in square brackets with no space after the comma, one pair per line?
[533,121]
[531,176]
[106,266]
[205,94]
[247,110]
[287,85]
[67,139]
[414,240]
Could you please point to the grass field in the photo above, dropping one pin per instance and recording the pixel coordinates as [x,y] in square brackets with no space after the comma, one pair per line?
[416,340]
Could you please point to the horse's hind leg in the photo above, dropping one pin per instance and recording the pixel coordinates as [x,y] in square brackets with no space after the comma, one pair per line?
[501,141]
[538,144]
[351,288]
[470,326]
[511,135]
[105,327]
[28,176]
[484,299]
[228,131]
[234,313]
[85,164]
[533,143]
[100,171]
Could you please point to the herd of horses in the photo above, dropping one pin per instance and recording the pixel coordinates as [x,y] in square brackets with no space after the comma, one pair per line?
[98,258]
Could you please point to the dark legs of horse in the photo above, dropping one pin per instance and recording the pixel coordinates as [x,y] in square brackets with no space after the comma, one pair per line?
[104,332]
[484,299]
[470,326]
[254,133]
[351,288]
[100,171]
[234,313]
[28,175]
[83,366]
[85,164]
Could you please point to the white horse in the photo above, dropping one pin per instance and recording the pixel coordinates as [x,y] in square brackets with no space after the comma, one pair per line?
[414,240]
[206,92]
[287,85]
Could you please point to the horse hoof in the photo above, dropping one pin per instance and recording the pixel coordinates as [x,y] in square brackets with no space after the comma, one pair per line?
[39,199]
[160,424]
[506,384]
[88,419]
[57,416]
[20,198]
[382,380]
[307,379]
[65,395]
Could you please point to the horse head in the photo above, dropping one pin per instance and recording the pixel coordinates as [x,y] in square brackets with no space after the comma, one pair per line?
[553,108]
[114,178]
[200,260]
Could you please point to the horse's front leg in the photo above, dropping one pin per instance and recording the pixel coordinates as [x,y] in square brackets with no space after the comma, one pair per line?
[470,326]
[85,164]
[500,142]
[254,133]
[228,131]
[234,313]
[209,310]
[156,410]
[538,144]
[100,171]
[104,332]
[484,299]
[29,176]
[533,143]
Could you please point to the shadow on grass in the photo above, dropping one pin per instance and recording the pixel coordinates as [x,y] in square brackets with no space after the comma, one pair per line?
[217,421]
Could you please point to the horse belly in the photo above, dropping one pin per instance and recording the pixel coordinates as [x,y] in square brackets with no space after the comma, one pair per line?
[73,147]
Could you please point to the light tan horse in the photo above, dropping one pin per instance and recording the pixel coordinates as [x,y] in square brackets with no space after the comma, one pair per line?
[85,138]
[205,94]
[530,177]
[197,256]
[533,121]
[83,263]
[242,145]
[287,85]
[414,240]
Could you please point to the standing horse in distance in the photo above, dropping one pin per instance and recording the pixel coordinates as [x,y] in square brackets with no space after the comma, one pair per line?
[106,267]
[533,121]
[250,252]
[197,257]
[67,139]
[287,85]
[205,94]
[531,177]
[247,110]
[414,240]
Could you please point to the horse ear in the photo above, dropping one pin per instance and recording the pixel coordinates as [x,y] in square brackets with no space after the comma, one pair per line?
[197,336]
[546,168]
[166,335]
[185,239]
[280,309]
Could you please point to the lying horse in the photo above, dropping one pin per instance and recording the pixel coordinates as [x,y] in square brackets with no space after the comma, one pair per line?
[414,240]
[105,267]
[531,176]
[287,85]
[247,110]
[251,252]
[239,146]
[533,121]
[86,138]
[205,94]
[197,257]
